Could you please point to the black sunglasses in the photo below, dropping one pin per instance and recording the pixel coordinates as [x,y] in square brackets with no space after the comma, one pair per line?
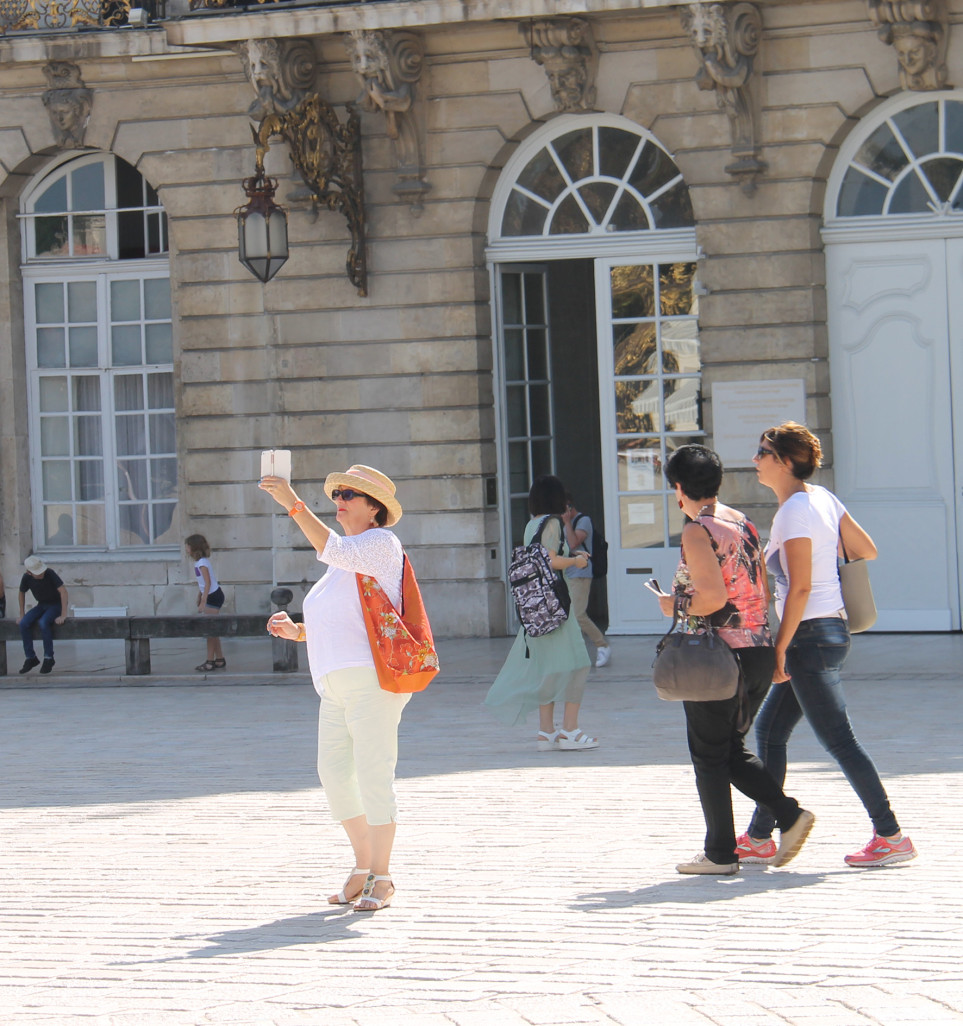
[763,453]
[347,494]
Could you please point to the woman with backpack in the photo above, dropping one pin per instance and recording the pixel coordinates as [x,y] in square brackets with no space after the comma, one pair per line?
[541,671]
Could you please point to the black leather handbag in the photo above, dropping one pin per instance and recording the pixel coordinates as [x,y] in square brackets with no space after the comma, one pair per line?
[693,667]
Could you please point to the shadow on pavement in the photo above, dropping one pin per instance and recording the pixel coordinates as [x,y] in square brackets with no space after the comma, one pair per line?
[699,889]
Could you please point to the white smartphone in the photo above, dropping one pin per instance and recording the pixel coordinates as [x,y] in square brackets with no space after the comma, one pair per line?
[653,586]
[276,463]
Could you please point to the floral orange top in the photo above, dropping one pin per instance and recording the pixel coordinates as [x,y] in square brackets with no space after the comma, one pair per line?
[743,622]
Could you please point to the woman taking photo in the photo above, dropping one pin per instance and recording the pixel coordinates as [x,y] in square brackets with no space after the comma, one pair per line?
[722,578]
[358,721]
[553,668]
[813,639]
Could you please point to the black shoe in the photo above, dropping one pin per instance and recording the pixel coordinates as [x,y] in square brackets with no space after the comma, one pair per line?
[48,665]
[29,663]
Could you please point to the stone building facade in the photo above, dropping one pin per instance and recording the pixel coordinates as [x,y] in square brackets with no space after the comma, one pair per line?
[592,231]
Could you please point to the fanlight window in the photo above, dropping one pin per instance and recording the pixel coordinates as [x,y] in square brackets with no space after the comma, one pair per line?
[911,164]
[595,180]
[95,207]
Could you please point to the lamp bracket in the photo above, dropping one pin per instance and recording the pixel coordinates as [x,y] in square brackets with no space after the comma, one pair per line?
[327,155]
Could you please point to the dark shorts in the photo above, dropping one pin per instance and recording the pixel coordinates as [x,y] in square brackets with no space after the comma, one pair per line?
[215,599]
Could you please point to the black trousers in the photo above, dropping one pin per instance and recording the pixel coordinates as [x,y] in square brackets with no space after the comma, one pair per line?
[720,759]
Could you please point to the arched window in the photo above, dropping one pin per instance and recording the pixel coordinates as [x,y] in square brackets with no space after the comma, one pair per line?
[99,350]
[596,179]
[911,163]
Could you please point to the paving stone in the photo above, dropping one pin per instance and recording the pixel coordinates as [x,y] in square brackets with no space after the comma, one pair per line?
[167,851]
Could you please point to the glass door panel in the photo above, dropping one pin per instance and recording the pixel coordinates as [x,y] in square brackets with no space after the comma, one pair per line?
[650,376]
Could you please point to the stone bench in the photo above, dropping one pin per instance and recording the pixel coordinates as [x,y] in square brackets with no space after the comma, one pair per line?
[137,631]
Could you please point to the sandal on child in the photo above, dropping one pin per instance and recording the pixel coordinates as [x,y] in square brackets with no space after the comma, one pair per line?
[547,742]
[206,667]
[373,904]
[574,740]
[341,898]
[219,664]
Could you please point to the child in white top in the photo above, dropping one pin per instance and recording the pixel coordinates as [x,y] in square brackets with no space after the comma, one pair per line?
[210,598]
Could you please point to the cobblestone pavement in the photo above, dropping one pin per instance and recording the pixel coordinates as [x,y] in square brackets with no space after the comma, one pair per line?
[166,851]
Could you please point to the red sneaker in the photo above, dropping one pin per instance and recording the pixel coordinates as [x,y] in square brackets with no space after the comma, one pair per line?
[752,852]
[880,852]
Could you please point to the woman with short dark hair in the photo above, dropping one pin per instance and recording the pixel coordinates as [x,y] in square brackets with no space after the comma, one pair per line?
[540,672]
[722,583]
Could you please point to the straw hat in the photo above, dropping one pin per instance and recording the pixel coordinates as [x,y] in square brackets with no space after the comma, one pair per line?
[35,565]
[370,481]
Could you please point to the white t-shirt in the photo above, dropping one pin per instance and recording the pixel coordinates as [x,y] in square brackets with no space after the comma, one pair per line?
[198,563]
[333,620]
[813,513]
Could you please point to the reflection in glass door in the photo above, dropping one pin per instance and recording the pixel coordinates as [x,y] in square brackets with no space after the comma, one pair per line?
[528,416]
[650,373]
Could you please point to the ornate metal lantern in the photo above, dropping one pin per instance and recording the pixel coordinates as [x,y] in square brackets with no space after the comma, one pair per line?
[262,227]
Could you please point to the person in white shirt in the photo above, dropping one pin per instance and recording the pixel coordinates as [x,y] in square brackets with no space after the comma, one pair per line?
[210,597]
[813,640]
[358,721]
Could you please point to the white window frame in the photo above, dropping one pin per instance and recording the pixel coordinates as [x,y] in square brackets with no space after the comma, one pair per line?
[938,224]
[63,270]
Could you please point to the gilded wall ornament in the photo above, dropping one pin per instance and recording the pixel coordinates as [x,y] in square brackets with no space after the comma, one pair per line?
[918,30]
[282,72]
[389,66]
[726,37]
[327,155]
[565,48]
[68,102]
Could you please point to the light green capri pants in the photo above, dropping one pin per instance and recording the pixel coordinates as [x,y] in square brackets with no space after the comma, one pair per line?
[358,745]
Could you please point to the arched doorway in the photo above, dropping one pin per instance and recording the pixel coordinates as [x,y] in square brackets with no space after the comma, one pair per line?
[894,266]
[593,256]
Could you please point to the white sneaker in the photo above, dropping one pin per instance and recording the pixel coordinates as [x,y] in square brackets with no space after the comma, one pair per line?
[603,655]
[699,865]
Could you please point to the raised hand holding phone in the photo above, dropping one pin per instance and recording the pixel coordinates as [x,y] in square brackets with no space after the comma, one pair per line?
[276,463]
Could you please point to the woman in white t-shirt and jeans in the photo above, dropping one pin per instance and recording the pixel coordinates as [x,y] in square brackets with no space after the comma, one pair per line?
[813,640]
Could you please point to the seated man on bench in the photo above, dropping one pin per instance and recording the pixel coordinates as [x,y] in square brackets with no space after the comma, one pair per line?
[51,596]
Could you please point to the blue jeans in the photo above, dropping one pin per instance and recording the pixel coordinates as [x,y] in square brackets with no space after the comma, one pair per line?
[814,659]
[46,614]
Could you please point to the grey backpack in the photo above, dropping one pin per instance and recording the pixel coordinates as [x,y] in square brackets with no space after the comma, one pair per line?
[541,595]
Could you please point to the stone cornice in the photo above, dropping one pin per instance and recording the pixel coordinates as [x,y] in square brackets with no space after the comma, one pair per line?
[229,25]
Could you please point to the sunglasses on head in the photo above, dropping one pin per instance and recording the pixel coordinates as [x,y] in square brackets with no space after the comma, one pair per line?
[347,494]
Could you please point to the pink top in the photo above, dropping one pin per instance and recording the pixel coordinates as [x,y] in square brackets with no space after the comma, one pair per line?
[743,622]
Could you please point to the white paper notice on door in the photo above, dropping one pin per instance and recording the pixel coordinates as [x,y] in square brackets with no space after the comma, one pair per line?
[641,471]
[641,512]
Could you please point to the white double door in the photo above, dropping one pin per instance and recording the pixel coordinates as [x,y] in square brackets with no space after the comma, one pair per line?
[896,371]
